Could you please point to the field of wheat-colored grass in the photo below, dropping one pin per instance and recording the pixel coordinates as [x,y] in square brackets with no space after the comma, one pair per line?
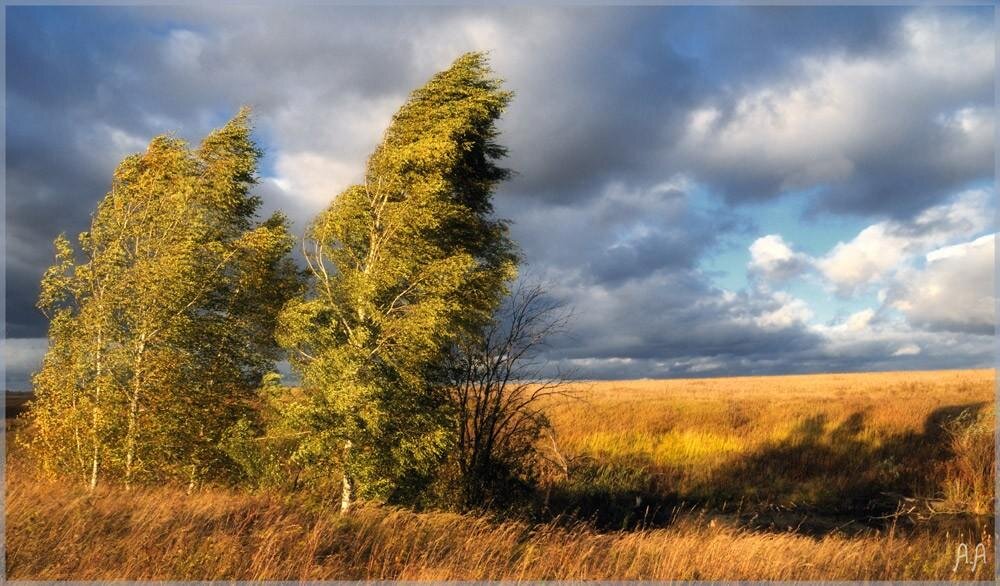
[715,454]
[794,441]
[160,534]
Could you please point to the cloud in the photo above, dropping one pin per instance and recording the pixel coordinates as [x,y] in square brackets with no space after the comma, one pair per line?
[859,321]
[791,312]
[22,357]
[772,259]
[324,82]
[933,270]
[882,248]
[627,124]
[888,132]
[907,350]
[183,49]
[669,322]
[859,343]
[625,232]
[953,292]
[891,343]
[936,290]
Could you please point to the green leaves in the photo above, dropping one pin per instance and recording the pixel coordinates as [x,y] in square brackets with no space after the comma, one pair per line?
[163,326]
[400,267]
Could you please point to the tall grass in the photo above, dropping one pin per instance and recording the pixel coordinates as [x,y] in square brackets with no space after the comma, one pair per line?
[970,475]
[55,532]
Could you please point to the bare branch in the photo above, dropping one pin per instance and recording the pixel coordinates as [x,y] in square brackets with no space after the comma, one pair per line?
[501,384]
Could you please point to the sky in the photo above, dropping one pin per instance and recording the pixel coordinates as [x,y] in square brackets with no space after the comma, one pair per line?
[711,190]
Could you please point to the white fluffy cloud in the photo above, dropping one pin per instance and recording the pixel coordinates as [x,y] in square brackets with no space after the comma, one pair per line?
[790,312]
[858,321]
[936,271]
[954,291]
[863,260]
[907,350]
[886,247]
[773,259]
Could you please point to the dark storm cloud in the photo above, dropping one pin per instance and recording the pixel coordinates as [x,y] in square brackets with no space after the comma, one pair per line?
[622,232]
[606,202]
[682,316]
[677,325]
[76,89]
[601,112]
[70,90]
[599,92]
[54,178]
[736,45]
[864,357]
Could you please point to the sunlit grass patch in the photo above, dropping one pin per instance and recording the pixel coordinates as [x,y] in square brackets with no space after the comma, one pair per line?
[697,448]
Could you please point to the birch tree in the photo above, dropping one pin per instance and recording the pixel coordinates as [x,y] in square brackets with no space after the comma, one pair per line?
[161,324]
[399,266]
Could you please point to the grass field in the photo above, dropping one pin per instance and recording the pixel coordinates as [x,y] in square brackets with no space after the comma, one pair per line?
[850,477]
[844,443]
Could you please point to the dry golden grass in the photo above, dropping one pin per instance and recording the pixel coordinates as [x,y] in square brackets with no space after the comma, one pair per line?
[893,401]
[757,409]
[790,440]
[804,442]
[158,534]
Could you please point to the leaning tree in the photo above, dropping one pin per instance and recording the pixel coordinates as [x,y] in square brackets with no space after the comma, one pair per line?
[400,266]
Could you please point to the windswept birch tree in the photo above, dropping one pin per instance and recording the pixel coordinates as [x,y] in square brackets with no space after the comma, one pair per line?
[400,267]
[162,325]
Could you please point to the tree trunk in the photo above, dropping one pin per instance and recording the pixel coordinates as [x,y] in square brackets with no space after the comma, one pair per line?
[347,488]
[94,466]
[81,458]
[95,417]
[133,414]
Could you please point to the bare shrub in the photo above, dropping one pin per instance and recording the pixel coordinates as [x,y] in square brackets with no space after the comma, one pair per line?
[499,384]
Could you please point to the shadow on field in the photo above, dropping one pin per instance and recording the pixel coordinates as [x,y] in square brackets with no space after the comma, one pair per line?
[821,478]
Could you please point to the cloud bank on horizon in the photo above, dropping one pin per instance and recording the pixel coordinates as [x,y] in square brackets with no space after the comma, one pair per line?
[727,190]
